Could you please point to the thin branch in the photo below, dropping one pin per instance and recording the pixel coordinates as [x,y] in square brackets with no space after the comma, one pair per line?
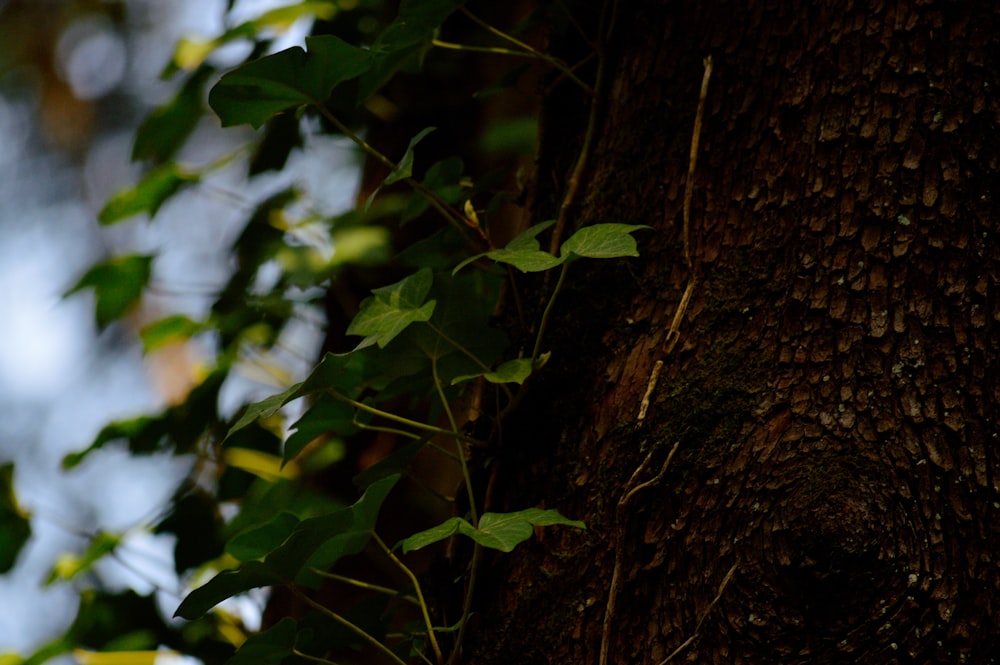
[631,489]
[693,158]
[701,619]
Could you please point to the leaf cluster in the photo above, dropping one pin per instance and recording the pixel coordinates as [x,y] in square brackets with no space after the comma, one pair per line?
[425,345]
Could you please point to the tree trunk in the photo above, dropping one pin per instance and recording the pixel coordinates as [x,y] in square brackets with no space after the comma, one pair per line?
[832,395]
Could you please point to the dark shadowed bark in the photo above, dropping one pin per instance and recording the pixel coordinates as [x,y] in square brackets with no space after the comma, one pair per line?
[833,392]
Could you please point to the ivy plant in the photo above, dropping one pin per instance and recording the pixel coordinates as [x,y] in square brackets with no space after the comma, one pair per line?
[425,351]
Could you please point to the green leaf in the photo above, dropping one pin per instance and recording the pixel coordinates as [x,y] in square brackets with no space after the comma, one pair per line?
[391,309]
[403,170]
[403,43]
[315,542]
[271,647]
[512,371]
[523,252]
[254,92]
[176,328]
[265,408]
[152,191]
[15,526]
[499,531]
[118,284]
[167,127]
[602,241]
[257,541]
[326,415]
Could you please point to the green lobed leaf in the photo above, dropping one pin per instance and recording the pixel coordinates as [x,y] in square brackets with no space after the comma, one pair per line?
[252,93]
[315,542]
[148,195]
[15,525]
[391,309]
[499,531]
[512,371]
[523,252]
[118,284]
[602,241]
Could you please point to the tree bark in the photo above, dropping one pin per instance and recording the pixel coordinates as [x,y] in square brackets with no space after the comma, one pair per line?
[826,423]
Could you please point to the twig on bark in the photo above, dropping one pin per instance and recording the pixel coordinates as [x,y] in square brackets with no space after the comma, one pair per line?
[701,618]
[631,488]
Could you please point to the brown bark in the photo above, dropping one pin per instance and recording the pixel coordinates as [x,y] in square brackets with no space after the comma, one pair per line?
[834,391]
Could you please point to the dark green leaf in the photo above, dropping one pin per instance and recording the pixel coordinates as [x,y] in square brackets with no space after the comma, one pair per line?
[254,92]
[326,415]
[167,127]
[152,191]
[403,170]
[256,542]
[403,43]
[265,408]
[602,241]
[117,283]
[392,308]
[15,527]
[512,371]
[270,647]
[499,531]
[318,541]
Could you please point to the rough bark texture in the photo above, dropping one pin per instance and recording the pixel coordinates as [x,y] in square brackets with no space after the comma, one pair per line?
[834,392]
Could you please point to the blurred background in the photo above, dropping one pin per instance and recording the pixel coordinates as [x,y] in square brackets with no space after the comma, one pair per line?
[76,79]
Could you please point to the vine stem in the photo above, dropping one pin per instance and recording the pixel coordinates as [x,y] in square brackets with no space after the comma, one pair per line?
[473,514]
[364,585]
[529,50]
[354,628]
[543,324]
[576,177]
[453,217]
[392,416]
[420,595]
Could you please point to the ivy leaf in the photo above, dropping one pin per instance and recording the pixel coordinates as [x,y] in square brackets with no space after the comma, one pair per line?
[523,252]
[315,542]
[602,241]
[512,371]
[118,284]
[152,191]
[15,527]
[391,309]
[499,531]
[254,92]
[403,170]
[403,43]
